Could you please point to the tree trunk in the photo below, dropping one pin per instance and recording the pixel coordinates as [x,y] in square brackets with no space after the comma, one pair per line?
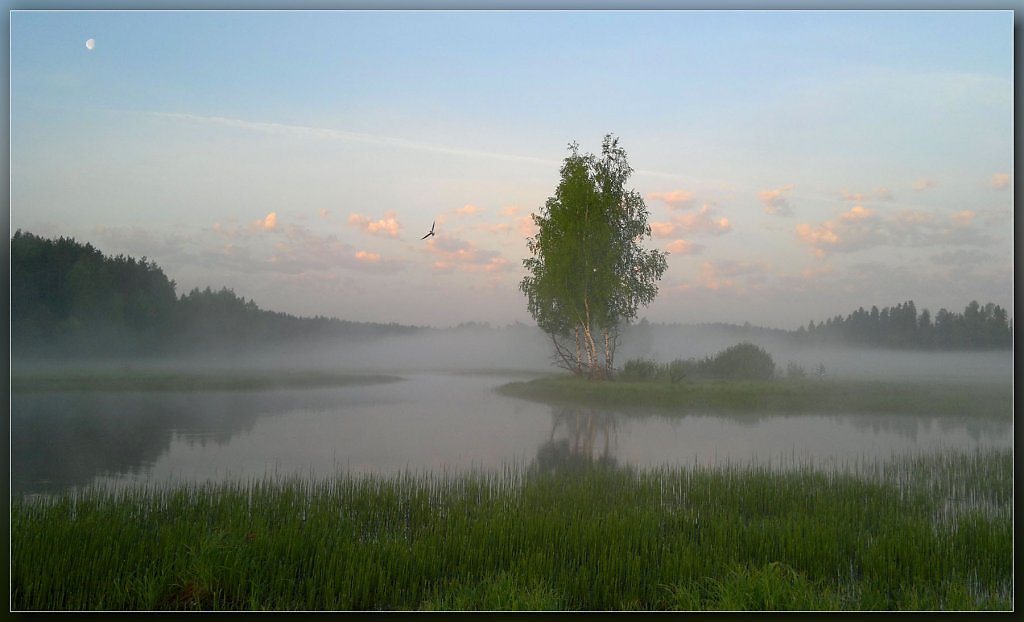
[588,338]
[594,370]
[579,358]
[608,354]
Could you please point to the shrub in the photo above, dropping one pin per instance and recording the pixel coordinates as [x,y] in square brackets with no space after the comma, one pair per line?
[639,370]
[678,370]
[795,372]
[743,361]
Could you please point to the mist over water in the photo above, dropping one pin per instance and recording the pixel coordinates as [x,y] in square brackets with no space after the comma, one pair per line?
[664,344]
[444,415]
[522,348]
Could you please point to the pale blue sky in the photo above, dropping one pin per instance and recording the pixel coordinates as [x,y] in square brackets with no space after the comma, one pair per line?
[798,164]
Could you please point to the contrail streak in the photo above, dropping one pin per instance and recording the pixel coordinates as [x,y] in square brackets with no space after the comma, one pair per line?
[321,133]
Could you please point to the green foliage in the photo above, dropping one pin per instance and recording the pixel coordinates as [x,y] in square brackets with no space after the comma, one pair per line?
[588,272]
[795,371]
[878,536]
[743,361]
[68,296]
[640,370]
[772,587]
[980,326]
[69,300]
[503,591]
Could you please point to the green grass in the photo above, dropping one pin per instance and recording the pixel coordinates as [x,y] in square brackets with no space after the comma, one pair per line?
[789,396]
[921,532]
[183,380]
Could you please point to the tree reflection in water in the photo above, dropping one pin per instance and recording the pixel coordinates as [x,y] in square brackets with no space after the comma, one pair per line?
[574,444]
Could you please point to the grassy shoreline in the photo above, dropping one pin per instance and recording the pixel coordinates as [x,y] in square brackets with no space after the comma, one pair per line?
[665,539]
[790,396]
[185,380]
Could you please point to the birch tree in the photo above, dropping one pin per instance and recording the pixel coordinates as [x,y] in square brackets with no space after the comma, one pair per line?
[588,273]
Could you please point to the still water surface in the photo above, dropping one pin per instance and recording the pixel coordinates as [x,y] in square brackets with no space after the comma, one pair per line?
[443,423]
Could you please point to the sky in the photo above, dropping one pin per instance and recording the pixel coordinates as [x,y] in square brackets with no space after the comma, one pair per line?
[796,165]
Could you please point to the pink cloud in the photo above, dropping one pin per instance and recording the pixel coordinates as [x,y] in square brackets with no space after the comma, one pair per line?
[386,227]
[1000,181]
[830,234]
[725,277]
[294,250]
[526,226]
[774,201]
[912,217]
[222,231]
[703,221]
[510,210]
[455,254]
[924,184]
[857,212]
[674,199]
[501,227]
[466,210]
[269,223]
[711,279]
[306,251]
[662,229]
[853,229]
[367,257]
[963,219]
[683,247]
[324,212]
[820,237]
[859,228]
[733,275]
[815,272]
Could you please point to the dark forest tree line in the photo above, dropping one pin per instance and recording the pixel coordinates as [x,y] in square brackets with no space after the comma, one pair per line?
[985,326]
[68,298]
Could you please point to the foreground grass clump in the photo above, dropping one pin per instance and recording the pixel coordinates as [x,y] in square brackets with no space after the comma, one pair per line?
[791,396]
[921,533]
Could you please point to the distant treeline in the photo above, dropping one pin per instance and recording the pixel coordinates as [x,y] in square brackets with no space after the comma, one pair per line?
[69,299]
[978,327]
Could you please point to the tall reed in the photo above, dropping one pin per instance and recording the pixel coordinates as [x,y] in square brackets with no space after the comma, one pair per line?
[920,532]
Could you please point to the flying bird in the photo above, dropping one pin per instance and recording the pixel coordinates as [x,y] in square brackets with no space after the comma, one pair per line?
[431,232]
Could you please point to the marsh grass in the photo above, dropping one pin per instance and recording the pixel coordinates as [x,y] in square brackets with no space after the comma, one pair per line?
[740,537]
[790,396]
[184,380]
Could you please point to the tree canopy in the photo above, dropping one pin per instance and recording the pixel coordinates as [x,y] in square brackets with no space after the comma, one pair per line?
[980,326]
[588,272]
[70,300]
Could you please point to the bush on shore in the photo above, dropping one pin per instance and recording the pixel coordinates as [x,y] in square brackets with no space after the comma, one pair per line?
[743,361]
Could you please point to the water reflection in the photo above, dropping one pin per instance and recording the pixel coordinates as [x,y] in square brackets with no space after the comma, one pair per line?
[65,439]
[576,446]
[588,437]
[442,423]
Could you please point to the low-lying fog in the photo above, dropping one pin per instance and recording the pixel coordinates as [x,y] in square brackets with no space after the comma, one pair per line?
[440,421]
[527,349]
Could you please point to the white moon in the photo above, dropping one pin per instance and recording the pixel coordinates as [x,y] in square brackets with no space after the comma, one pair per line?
[90,44]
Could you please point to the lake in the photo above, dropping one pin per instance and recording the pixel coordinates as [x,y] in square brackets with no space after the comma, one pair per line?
[439,422]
